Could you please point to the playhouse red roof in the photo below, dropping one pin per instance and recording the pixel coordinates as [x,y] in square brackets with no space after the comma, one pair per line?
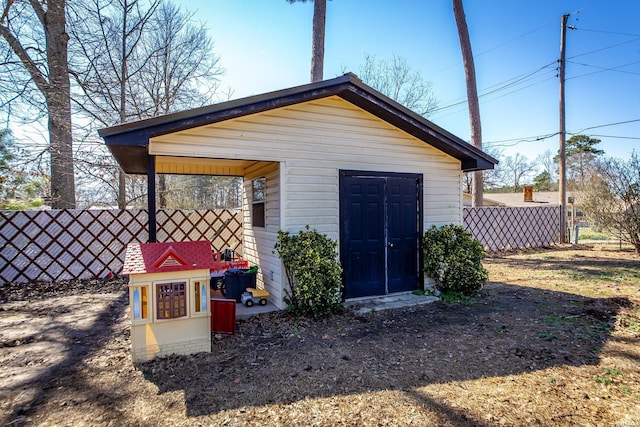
[166,257]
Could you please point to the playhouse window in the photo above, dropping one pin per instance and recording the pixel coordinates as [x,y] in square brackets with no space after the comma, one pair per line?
[259,189]
[171,300]
[200,297]
[140,303]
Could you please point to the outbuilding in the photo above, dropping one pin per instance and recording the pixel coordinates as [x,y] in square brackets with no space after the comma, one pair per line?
[335,155]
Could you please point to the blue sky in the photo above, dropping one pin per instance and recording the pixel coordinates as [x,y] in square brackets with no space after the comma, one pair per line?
[265,45]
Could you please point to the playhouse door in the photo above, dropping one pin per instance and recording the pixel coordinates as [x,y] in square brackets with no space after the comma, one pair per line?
[380,217]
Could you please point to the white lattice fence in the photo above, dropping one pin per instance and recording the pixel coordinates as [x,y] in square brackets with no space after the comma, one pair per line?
[72,244]
[500,228]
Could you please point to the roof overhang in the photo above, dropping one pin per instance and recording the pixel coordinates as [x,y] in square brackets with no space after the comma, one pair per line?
[129,142]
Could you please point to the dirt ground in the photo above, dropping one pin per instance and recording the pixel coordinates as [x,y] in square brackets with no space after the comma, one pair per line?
[552,340]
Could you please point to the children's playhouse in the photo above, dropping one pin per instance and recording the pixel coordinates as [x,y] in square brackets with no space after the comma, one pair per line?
[169,297]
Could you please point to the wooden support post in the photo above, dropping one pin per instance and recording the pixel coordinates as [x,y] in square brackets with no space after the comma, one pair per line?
[151,198]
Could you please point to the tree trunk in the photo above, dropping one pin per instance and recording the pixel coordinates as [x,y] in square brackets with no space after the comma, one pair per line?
[472,96]
[162,191]
[317,41]
[122,189]
[122,177]
[58,98]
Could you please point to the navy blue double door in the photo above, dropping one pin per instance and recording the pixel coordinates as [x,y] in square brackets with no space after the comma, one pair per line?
[380,230]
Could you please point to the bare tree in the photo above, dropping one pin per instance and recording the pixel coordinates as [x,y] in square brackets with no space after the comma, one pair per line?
[612,198]
[36,72]
[546,180]
[397,80]
[203,192]
[106,36]
[472,95]
[492,178]
[183,70]
[135,63]
[549,164]
[317,38]
[182,73]
[516,168]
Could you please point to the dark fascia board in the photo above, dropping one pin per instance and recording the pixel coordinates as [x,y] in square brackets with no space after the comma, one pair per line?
[129,142]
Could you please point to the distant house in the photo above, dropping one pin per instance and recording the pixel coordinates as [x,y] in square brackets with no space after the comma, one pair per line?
[485,201]
[335,155]
[540,198]
[547,198]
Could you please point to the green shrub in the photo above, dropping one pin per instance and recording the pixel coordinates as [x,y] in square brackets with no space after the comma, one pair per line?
[453,259]
[20,205]
[313,271]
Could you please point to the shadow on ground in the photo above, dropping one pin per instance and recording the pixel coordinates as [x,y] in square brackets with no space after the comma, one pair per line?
[48,354]
[509,330]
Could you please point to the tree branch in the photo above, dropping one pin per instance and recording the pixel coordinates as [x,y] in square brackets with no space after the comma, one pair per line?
[39,79]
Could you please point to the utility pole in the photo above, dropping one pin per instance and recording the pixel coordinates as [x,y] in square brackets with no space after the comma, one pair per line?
[562,171]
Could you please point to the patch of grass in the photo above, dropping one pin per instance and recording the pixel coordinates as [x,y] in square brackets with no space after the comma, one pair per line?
[546,336]
[619,274]
[604,327]
[553,320]
[611,371]
[457,298]
[608,276]
[608,376]
[633,325]
[603,380]
[595,275]
[575,275]
[595,330]
[587,233]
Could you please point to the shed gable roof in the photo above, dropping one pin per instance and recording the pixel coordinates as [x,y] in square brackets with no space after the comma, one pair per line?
[129,142]
[167,257]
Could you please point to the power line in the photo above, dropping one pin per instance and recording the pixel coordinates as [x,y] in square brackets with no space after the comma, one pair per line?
[607,32]
[610,124]
[602,69]
[485,101]
[523,77]
[521,88]
[519,79]
[604,48]
[516,38]
[507,85]
[610,68]
[516,141]
[498,46]
[616,136]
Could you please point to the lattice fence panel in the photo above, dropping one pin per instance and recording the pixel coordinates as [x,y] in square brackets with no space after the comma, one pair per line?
[501,228]
[223,228]
[71,244]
